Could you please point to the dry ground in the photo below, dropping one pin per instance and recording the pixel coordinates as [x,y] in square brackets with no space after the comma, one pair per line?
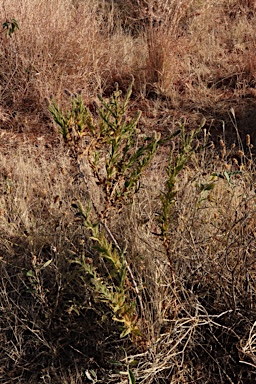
[192,61]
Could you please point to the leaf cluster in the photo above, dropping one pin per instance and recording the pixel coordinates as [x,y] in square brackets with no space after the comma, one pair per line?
[116,153]
[10,26]
[109,288]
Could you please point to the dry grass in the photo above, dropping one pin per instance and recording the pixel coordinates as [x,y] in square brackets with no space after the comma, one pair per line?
[189,58]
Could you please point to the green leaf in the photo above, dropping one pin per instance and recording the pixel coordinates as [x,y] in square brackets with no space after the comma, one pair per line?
[91,375]
[206,187]
[126,331]
[131,377]
[46,264]
[227,175]
[134,363]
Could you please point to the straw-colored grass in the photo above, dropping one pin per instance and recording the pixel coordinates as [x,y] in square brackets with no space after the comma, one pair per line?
[172,267]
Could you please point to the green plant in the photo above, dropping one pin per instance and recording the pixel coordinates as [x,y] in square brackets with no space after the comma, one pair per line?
[10,26]
[127,155]
[131,377]
[227,176]
[117,157]
[34,274]
[204,190]
[109,288]
[116,153]
[73,122]
[177,162]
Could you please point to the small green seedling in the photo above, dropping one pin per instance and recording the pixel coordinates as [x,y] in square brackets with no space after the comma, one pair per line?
[10,26]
